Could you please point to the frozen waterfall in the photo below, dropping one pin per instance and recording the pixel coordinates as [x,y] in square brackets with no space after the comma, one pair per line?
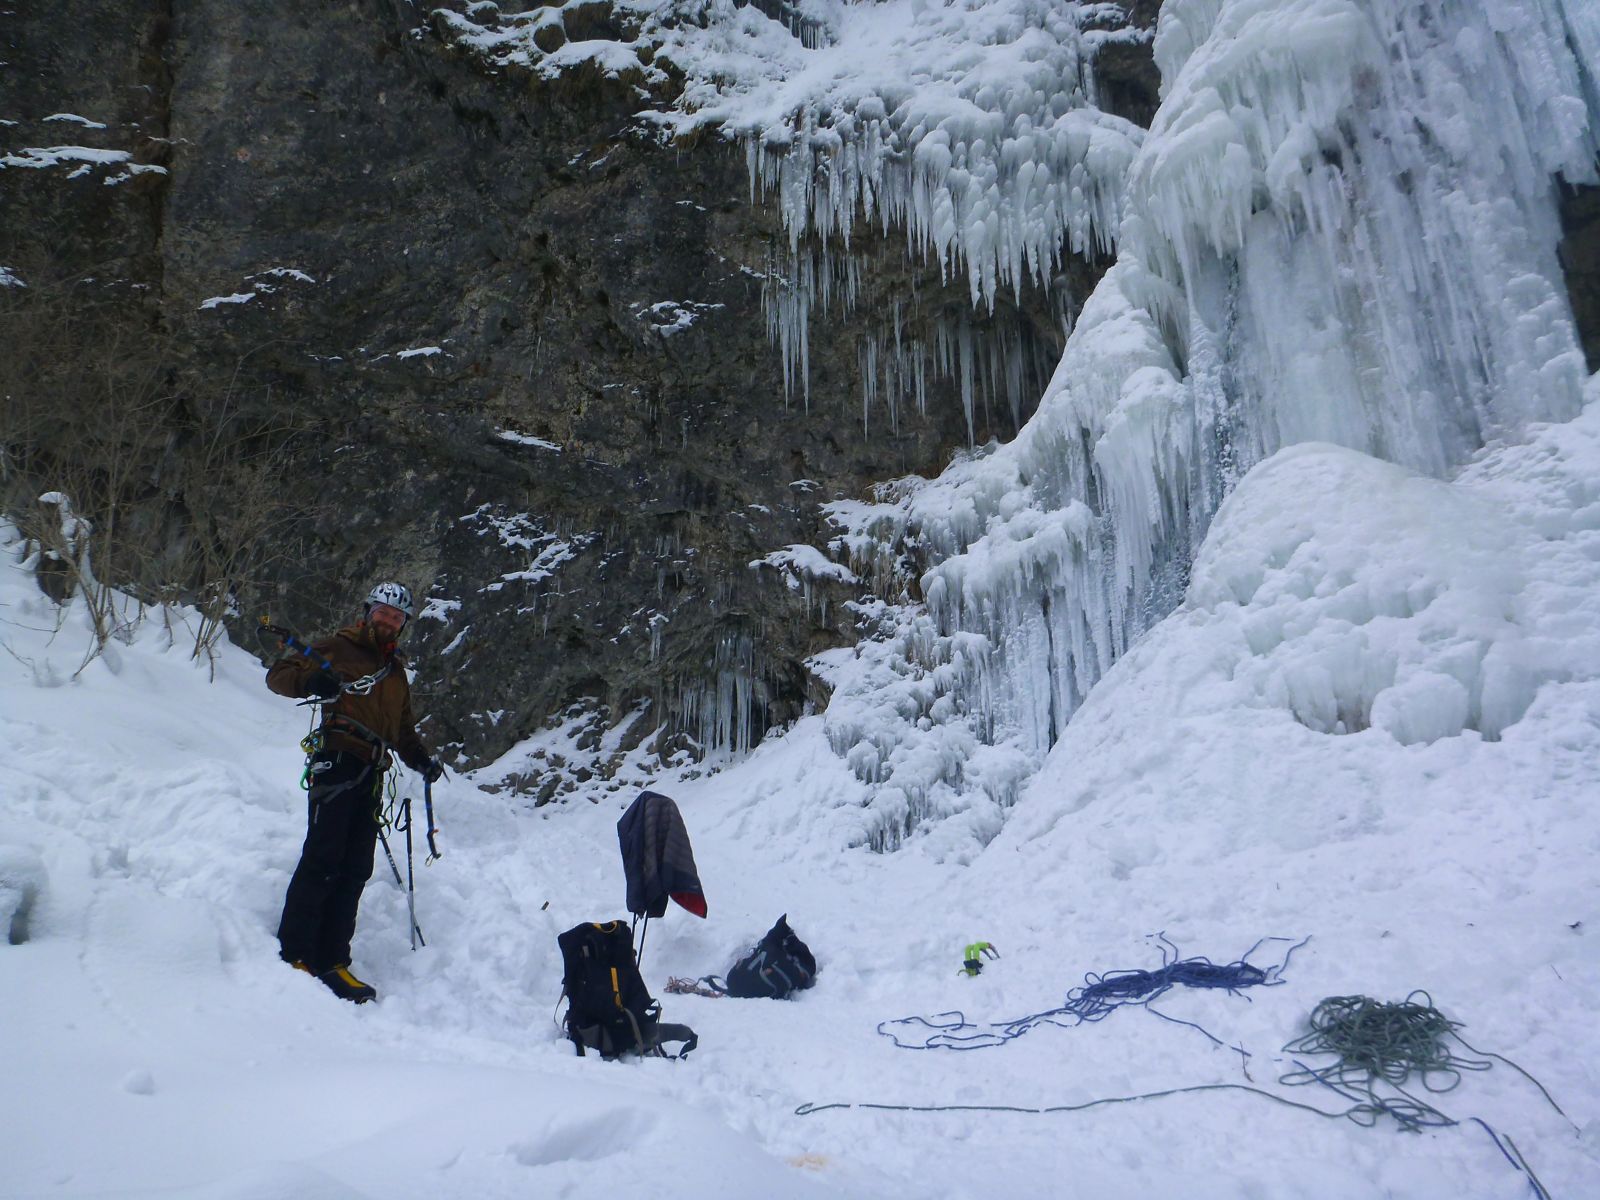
[1342,228]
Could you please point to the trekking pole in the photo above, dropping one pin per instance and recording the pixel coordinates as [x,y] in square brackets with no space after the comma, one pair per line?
[411,882]
[416,933]
[638,955]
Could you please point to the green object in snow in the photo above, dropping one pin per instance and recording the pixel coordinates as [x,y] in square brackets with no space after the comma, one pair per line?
[972,959]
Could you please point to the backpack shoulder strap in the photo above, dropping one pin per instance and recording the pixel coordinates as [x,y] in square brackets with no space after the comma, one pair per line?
[668,1032]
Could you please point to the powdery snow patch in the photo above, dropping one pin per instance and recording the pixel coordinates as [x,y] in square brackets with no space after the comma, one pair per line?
[232,298]
[76,119]
[40,157]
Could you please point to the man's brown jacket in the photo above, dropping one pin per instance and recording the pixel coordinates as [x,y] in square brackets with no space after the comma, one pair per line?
[385,710]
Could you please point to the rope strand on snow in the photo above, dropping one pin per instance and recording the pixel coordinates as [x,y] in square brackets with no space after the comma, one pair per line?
[1375,1042]
[805,1110]
[1361,1114]
[1098,998]
[1388,1043]
[1515,1158]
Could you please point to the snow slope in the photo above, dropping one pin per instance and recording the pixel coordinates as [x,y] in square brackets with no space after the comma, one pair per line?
[1443,838]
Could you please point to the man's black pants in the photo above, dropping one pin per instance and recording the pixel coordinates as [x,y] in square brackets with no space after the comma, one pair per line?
[319,911]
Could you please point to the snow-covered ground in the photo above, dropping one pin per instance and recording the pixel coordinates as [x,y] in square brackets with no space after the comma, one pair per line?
[1374,722]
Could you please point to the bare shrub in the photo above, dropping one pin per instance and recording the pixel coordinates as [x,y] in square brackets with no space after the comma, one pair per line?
[86,407]
[134,485]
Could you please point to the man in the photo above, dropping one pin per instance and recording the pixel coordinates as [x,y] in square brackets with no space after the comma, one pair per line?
[366,713]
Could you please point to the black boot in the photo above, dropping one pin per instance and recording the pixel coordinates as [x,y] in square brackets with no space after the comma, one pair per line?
[346,986]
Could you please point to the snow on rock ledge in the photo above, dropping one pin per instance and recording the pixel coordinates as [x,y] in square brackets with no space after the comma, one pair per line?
[968,127]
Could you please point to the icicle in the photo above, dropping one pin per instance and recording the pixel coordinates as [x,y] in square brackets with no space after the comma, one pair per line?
[970,183]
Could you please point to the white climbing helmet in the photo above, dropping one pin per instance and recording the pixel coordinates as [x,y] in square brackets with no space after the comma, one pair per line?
[393,594]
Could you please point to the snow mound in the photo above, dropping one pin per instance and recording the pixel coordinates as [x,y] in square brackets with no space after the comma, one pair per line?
[22,878]
[1352,593]
[1450,630]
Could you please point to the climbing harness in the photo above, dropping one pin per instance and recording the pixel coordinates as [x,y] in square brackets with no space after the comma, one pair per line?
[972,957]
[1098,998]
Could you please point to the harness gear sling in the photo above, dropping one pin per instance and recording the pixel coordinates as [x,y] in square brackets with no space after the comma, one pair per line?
[339,723]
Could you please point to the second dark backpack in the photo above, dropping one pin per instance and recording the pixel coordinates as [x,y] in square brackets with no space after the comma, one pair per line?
[780,965]
[609,1009]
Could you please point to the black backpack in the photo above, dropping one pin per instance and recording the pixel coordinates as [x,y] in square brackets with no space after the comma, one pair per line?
[779,965]
[608,1007]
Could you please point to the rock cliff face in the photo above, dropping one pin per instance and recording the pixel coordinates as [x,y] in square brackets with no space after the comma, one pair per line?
[475,330]
[510,346]
[1580,260]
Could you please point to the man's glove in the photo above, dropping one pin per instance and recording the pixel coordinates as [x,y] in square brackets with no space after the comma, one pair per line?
[432,770]
[324,685]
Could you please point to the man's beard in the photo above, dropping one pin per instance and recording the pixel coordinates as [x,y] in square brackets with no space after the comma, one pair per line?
[382,637]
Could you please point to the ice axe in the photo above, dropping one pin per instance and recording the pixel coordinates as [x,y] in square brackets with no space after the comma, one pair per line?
[972,959]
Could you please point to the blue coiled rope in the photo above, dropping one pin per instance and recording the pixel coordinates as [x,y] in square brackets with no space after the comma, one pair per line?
[1098,998]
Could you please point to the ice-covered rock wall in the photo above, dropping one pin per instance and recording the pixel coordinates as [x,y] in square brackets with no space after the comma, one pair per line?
[1342,228]
[978,143]
[967,128]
